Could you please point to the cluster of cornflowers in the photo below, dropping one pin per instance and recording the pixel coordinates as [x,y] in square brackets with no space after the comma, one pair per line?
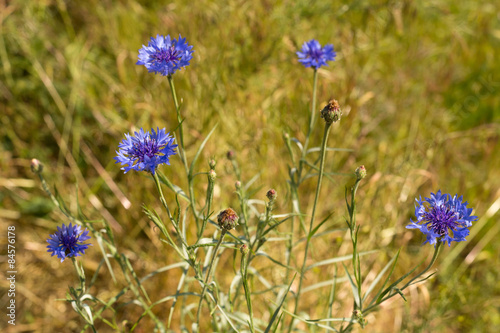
[441,218]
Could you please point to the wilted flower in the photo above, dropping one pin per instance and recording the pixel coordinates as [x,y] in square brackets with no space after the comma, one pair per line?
[145,150]
[164,55]
[227,219]
[68,241]
[313,55]
[444,219]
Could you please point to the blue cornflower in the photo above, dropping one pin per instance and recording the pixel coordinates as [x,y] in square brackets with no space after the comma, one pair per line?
[442,215]
[313,55]
[164,55]
[67,242]
[145,150]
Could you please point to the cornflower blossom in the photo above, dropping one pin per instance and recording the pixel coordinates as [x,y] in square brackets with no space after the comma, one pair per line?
[164,55]
[313,55]
[68,241]
[145,151]
[444,218]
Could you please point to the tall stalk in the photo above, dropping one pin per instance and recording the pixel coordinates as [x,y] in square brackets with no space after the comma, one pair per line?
[311,223]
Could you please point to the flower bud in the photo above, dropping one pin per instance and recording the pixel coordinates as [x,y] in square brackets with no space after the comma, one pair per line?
[244,249]
[360,172]
[227,219]
[331,112]
[237,185]
[36,166]
[212,175]
[271,194]
[212,163]
[359,317]
[230,155]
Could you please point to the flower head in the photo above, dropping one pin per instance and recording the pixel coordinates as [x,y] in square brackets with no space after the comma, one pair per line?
[331,113]
[164,55]
[444,218]
[227,219]
[313,55]
[145,150]
[68,242]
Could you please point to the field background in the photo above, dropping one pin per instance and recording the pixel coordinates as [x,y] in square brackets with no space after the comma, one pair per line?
[418,81]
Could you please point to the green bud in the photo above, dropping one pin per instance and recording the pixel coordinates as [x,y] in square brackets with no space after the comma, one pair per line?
[212,163]
[360,172]
[271,194]
[244,249]
[36,166]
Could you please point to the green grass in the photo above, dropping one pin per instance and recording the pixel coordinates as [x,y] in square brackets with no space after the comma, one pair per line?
[418,83]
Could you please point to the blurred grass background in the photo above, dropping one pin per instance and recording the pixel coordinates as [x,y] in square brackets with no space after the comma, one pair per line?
[418,82]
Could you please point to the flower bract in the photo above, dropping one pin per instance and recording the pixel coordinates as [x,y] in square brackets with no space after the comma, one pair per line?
[313,55]
[442,218]
[164,55]
[146,150]
[68,242]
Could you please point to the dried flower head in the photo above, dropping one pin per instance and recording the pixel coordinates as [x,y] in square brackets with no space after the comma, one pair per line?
[164,55]
[331,113]
[227,219]
[145,151]
[444,218]
[313,55]
[68,242]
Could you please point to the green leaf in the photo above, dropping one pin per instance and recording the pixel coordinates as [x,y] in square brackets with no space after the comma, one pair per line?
[338,259]
[379,276]
[355,293]
[264,254]
[200,149]
[275,314]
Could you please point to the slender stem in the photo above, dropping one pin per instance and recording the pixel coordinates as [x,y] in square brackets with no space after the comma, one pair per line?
[164,203]
[179,119]
[182,152]
[209,199]
[311,224]
[311,126]
[244,270]
[207,277]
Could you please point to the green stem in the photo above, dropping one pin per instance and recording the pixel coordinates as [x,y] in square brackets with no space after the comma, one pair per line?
[164,203]
[207,278]
[311,224]
[182,152]
[244,272]
[179,120]
[209,199]
[311,126]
